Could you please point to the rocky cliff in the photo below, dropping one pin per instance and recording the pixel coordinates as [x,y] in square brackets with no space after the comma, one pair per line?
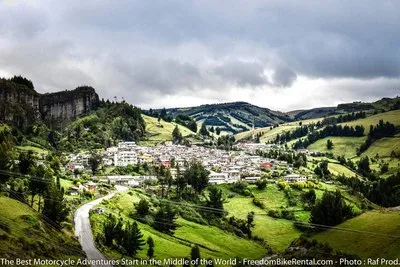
[68,104]
[20,103]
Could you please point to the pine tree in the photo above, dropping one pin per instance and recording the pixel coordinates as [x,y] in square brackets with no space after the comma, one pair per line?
[215,202]
[150,251]
[164,219]
[132,241]
[55,207]
[195,255]
[203,130]
[176,135]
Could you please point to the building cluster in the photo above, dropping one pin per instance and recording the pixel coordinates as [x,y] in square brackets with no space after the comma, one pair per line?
[224,166]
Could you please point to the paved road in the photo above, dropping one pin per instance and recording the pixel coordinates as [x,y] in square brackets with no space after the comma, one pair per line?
[83,229]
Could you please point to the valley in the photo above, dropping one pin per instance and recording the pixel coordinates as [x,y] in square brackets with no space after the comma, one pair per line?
[200,180]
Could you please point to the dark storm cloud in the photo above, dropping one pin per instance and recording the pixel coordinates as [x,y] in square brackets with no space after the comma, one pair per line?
[242,73]
[146,49]
[284,76]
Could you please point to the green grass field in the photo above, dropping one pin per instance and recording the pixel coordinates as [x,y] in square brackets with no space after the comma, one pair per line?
[157,134]
[278,233]
[378,235]
[342,146]
[24,235]
[213,242]
[270,134]
[33,149]
[390,116]
[338,169]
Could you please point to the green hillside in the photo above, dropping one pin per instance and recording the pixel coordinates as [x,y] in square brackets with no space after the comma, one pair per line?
[233,117]
[268,134]
[370,235]
[390,116]
[157,133]
[342,146]
[213,242]
[338,169]
[24,235]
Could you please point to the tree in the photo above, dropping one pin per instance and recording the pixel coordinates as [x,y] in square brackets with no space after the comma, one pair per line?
[215,202]
[6,154]
[109,230]
[331,210]
[164,219]
[150,251]
[180,182]
[197,176]
[212,129]
[94,162]
[250,223]
[309,197]
[329,144]
[203,130]
[55,207]
[218,130]
[363,166]
[22,80]
[142,208]
[176,135]
[26,162]
[132,240]
[261,184]
[195,255]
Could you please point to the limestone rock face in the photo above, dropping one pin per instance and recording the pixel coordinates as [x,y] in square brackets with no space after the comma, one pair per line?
[68,104]
[20,101]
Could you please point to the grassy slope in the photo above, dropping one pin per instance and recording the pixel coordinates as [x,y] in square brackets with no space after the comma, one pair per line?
[213,241]
[277,232]
[390,116]
[28,237]
[342,146]
[158,134]
[270,134]
[338,169]
[365,244]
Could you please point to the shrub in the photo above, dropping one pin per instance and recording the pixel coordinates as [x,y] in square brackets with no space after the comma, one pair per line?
[258,203]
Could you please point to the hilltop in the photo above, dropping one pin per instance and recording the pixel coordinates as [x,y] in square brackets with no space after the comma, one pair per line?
[232,117]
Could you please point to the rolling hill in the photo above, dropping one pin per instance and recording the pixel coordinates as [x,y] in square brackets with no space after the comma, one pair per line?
[24,235]
[370,235]
[159,132]
[233,117]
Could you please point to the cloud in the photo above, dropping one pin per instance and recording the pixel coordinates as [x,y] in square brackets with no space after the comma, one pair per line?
[268,52]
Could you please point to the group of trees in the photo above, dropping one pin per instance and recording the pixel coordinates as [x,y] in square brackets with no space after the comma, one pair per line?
[384,192]
[322,170]
[186,121]
[291,135]
[381,130]
[330,130]
[331,210]
[126,237]
[41,181]
[297,159]
[226,142]
[344,118]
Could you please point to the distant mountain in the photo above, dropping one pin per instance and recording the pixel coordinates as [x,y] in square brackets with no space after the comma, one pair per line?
[232,117]
[382,105]
[312,113]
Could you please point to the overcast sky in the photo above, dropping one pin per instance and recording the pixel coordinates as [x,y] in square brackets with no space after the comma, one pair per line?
[283,55]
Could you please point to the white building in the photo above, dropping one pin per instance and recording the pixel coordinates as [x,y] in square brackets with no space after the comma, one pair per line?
[293,178]
[125,158]
[128,145]
[218,178]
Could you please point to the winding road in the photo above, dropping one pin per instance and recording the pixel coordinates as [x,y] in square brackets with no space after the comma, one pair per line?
[83,228]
